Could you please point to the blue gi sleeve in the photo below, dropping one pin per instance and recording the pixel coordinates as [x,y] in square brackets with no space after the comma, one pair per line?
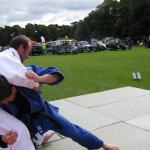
[49,70]
[2,144]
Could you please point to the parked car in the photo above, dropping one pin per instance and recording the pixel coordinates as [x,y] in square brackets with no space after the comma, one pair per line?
[98,46]
[74,49]
[148,43]
[36,49]
[84,46]
[49,45]
[116,45]
[60,49]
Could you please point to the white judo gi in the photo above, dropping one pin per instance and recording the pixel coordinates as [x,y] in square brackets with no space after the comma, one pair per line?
[12,68]
[8,123]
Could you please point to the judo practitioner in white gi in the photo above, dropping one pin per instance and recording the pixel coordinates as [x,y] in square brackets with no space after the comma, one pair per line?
[11,66]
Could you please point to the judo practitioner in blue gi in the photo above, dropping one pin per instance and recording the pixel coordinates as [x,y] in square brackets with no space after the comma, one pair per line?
[40,116]
[29,105]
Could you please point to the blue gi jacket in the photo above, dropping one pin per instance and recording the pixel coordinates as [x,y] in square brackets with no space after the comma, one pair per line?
[34,98]
[40,124]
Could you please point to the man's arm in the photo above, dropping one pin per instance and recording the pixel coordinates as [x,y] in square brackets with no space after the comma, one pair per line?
[47,78]
[50,75]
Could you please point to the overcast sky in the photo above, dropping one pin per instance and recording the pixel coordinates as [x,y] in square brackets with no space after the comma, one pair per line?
[21,12]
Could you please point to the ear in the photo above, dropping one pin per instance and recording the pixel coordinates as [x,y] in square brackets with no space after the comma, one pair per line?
[20,49]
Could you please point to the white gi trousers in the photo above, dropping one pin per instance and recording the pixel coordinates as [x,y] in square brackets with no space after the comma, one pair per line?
[8,123]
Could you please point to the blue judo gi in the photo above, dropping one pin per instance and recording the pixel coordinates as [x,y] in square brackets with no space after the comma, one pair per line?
[42,124]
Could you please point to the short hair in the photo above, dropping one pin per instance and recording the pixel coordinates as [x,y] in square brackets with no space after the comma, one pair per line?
[20,40]
[5,88]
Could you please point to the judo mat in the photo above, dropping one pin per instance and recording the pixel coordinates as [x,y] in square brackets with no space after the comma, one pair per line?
[119,116]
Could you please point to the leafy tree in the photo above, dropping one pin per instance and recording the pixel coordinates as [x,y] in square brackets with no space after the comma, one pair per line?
[123,24]
[2,37]
[73,28]
[140,21]
[17,30]
[65,30]
[41,31]
[101,22]
[31,31]
[81,32]
[7,35]
[53,31]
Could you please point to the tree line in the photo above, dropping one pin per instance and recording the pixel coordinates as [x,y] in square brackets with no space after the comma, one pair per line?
[112,18]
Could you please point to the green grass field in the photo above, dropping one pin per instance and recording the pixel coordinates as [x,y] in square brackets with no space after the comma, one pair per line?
[96,71]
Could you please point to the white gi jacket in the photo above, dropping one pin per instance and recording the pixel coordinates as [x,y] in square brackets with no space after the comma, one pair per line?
[12,68]
[8,123]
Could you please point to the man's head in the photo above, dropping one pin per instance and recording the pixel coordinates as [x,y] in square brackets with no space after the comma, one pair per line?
[7,91]
[22,45]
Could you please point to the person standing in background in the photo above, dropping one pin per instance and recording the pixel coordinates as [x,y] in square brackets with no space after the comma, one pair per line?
[44,51]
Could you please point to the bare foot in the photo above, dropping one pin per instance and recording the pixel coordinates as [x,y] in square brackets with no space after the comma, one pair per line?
[110,147]
[47,136]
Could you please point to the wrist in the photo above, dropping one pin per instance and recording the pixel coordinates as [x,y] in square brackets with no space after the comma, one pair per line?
[40,79]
